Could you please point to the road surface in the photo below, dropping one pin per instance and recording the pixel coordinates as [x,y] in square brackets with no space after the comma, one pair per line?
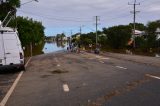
[70,79]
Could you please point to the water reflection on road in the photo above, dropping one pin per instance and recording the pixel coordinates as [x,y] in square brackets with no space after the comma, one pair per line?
[54,46]
[45,47]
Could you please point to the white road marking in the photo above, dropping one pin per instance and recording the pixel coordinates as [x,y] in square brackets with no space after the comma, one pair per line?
[65,88]
[121,67]
[105,58]
[58,65]
[152,76]
[27,62]
[101,61]
[5,99]
[98,56]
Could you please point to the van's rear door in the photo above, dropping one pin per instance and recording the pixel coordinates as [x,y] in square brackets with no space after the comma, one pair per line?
[2,61]
[11,48]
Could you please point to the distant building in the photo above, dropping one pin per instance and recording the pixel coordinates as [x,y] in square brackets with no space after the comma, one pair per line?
[138,33]
[158,33]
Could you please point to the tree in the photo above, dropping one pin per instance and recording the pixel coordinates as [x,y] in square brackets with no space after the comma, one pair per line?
[151,38]
[8,5]
[29,30]
[89,38]
[60,36]
[139,26]
[118,36]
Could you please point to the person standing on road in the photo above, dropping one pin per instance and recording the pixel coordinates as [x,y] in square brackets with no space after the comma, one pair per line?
[90,47]
[79,46]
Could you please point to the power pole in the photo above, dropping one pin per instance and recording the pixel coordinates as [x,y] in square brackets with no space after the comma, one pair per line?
[80,30]
[71,33]
[97,19]
[134,19]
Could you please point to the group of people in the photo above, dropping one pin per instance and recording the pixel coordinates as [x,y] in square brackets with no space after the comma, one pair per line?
[74,48]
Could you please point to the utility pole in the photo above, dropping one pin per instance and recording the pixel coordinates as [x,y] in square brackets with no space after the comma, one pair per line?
[71,37]
[97,19]
[134,19]
[71,33]
[80,30]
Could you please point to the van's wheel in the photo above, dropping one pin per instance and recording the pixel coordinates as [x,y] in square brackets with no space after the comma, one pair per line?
[23,68]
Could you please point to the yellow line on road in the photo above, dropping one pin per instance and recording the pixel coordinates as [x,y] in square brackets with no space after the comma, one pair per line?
[5,99]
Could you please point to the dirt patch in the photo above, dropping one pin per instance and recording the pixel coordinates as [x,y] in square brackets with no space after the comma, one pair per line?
[58,71]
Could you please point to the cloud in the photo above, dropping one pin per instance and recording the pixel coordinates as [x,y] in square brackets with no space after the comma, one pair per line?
[73,13]
[155,8]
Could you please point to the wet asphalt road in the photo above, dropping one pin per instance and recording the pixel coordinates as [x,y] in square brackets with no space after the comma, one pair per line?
[69,79]
[6,81]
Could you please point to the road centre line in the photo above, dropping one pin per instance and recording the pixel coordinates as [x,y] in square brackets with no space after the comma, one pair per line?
[152,76]
[65,88]
[121,67]
[101,61]
[105,58]
[58,65]
[5,99]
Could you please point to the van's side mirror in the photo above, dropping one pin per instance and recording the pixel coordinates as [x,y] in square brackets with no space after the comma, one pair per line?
[24,48]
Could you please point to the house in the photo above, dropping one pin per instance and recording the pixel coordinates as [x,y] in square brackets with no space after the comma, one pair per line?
[138,33]
[158,33]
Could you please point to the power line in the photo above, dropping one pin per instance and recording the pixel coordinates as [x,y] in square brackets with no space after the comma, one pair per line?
[81,18]
[56,19]
[113,18]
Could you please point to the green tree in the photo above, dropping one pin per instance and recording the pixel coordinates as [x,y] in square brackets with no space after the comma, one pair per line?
[89,38]
[118,36]
[8,5]
[139,26]
[151,38]
[29,30]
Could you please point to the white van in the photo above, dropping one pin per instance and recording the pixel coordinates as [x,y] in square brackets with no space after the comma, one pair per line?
[11,52]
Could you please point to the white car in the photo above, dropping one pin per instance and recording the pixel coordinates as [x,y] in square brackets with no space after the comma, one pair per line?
[11,52]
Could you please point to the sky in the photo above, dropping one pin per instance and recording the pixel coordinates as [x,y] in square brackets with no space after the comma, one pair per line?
[67,16]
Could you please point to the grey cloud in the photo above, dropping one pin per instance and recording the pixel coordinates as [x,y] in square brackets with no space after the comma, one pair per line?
[111,12]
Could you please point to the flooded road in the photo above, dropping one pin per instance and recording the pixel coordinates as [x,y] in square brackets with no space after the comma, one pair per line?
[45,47]
[50,47]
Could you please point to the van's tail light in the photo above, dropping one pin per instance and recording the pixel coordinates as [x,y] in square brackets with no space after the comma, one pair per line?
[21,55]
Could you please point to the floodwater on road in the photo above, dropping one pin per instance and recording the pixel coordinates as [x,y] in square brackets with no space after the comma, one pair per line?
[54,47]
[45,47]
